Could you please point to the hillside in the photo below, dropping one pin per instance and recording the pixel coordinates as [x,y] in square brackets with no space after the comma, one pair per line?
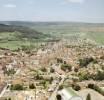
[15,37]
[25,31]
[38,32]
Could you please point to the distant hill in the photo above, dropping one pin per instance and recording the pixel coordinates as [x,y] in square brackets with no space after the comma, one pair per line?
[70,24]
[20,37]
[26,32]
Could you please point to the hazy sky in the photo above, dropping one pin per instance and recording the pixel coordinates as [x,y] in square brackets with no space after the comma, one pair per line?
[52,10]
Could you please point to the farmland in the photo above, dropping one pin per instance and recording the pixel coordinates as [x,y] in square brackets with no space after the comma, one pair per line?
[15,35]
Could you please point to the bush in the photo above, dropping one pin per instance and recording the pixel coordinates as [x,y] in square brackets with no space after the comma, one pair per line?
[76,87]
[38,77]
[60,87]
[43,69]
[83,76]
[100,75]
[52,70]
[10,72]
[17,87]
[84,62]
[31,86]
[59,97]
[91,86]
[59,60]
[66,67]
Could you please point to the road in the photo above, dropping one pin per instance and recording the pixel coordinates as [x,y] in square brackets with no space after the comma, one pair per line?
[3,91]
[53,96]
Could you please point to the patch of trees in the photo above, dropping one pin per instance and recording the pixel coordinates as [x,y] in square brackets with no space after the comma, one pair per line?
[85,76]
[59,60]
[38,77]
[99,75]
[85,61]
[8,99]
[17,87]
[9,72]
[66,67]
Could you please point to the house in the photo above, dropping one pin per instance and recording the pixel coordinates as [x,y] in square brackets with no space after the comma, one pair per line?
[67,94]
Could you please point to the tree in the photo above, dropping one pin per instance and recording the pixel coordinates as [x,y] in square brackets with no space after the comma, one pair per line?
[66,67]
[60,87]
[85,61]
[17,87]
[43,69]
[76,87]
[9,99]
[52,70]
[88,97]
[100,75]
[91,86]
[59,60]
[31,86]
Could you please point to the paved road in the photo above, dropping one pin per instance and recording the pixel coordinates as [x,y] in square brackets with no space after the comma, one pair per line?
[3,91]
[53,96]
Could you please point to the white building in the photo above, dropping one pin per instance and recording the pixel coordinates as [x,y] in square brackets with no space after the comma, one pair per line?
[68,94]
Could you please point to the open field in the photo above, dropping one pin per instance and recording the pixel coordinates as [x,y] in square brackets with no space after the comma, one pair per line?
[14,35]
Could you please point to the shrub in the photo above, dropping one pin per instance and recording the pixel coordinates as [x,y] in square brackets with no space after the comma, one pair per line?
[59,97]
[10,72]
[76,87]
[38,77]
[91,86]
[43,69]
[31,86]
[60,87]
[100,75]
[85,61]
[83,76]
[66,67]
[17,87]
[52,70]
[59,60]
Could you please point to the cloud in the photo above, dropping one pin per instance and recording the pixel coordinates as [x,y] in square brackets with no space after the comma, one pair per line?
[9,6]
[72,1]
[76,1]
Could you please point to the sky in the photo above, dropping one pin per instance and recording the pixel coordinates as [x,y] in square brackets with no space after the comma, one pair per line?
[52,10]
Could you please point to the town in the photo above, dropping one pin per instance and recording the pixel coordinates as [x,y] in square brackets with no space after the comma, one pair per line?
[54,68]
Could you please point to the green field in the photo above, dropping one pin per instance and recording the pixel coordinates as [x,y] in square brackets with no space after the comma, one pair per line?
[16,37]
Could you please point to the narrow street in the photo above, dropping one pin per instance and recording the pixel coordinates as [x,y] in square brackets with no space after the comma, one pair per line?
[53,96]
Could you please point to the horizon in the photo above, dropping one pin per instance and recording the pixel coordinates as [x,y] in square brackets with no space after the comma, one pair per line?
[87,11]
[27,21]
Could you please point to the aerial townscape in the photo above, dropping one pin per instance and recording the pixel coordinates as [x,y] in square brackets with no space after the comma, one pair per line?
[51,49]
[51,67]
